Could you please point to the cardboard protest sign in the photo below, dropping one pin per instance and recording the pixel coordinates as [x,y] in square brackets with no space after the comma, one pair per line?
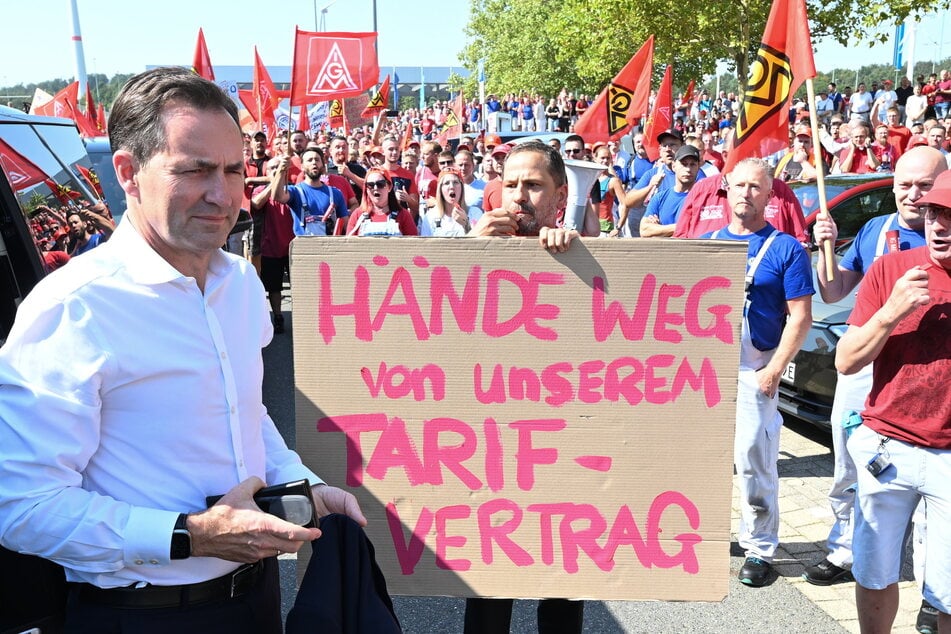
[522,424]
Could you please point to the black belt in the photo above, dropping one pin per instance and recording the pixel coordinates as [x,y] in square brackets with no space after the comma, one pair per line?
[234,584]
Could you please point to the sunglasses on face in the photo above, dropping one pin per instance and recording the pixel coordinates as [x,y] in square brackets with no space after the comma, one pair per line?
[445,163]
[573,150]
[376,184]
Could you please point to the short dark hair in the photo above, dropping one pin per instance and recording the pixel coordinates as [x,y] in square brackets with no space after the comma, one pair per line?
[574,137]
[313,148]
[554,164]
[136,123]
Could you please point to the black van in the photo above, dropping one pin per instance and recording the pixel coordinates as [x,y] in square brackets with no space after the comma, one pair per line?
[44,172]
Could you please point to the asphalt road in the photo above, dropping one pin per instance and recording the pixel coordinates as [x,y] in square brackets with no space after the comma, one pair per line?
[778,607]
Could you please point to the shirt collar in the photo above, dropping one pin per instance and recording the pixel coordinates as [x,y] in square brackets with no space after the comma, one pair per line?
[146,266]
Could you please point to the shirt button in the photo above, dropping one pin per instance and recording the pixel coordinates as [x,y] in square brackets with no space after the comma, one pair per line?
[139,562]
[233,409]
[224,355]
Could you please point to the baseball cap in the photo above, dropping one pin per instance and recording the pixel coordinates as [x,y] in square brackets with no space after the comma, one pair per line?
[916,140]
[503,149]
[940,193]
[376,149]
[687,151]
[676,134]
[492,140]
[257,134]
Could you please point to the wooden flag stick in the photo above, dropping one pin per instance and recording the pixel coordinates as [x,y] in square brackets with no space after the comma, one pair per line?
[828,247]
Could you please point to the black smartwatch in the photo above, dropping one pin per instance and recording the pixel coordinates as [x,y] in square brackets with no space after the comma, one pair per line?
[181,539]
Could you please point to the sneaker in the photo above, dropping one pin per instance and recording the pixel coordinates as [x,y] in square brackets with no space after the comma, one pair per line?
[825,573]
[927,622]
[278,324]
[755,572]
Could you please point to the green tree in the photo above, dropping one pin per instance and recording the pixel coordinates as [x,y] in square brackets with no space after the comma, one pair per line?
[542,46]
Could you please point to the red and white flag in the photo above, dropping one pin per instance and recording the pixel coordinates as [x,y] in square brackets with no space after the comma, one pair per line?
[20,170]
[201,63]
[332,65]
[661,115]
[622,102]
[783,62]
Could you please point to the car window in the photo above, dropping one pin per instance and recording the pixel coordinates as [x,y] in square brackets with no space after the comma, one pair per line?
[853,212]
[42,180]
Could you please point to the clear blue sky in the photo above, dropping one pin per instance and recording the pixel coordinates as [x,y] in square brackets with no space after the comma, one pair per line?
[126,35]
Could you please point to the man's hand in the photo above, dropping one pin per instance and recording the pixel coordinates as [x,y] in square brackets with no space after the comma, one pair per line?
[328,499]
[497,222]
[768,381]
[824,229]
[235,528]
[909,292]
[556,240]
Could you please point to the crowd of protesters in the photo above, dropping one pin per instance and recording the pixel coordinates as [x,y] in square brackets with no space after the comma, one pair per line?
[396,178]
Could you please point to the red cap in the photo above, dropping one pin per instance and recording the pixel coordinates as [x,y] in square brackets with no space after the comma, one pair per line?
[503,149]
[493,140]
[916,140]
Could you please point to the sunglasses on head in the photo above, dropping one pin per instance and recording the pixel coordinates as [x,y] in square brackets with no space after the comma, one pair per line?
[381,184]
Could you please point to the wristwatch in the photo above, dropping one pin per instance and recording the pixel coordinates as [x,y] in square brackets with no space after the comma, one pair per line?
[181,539]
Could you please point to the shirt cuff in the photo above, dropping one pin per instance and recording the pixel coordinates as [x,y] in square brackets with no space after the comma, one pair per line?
[148,537]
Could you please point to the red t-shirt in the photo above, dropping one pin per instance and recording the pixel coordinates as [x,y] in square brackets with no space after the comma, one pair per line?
[928,90]
[492,195]
[898,137]
[859,162]
[405,178]
[943,85]
[278,227]
[706,209]
[909,398]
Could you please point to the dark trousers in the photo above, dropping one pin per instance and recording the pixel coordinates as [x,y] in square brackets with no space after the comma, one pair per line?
[257,612]
[494,616]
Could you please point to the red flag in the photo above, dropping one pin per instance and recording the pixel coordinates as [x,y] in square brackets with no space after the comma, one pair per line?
[265,96]
[407,136]
[377,103]
[20,170]
[332,65]
[783,62]
[249,102]
[201,64]
[64,193]
[90,176]
[91,106]
[101,118]
[688,94]
[303,123]
[454,118]
[62,104]
[622,102]
[661,115]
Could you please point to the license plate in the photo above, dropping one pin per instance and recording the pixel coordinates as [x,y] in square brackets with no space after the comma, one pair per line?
[789,374]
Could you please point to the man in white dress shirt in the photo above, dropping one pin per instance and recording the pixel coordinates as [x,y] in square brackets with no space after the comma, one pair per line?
[130,389]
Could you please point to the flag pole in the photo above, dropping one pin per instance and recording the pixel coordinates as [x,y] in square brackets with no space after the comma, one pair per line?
[828,247]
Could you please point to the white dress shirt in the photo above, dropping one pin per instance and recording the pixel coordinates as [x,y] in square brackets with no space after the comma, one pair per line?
[126,397]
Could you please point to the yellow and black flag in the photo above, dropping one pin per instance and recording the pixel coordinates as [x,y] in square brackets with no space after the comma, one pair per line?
[783,62]
[378,101]
[622,102]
